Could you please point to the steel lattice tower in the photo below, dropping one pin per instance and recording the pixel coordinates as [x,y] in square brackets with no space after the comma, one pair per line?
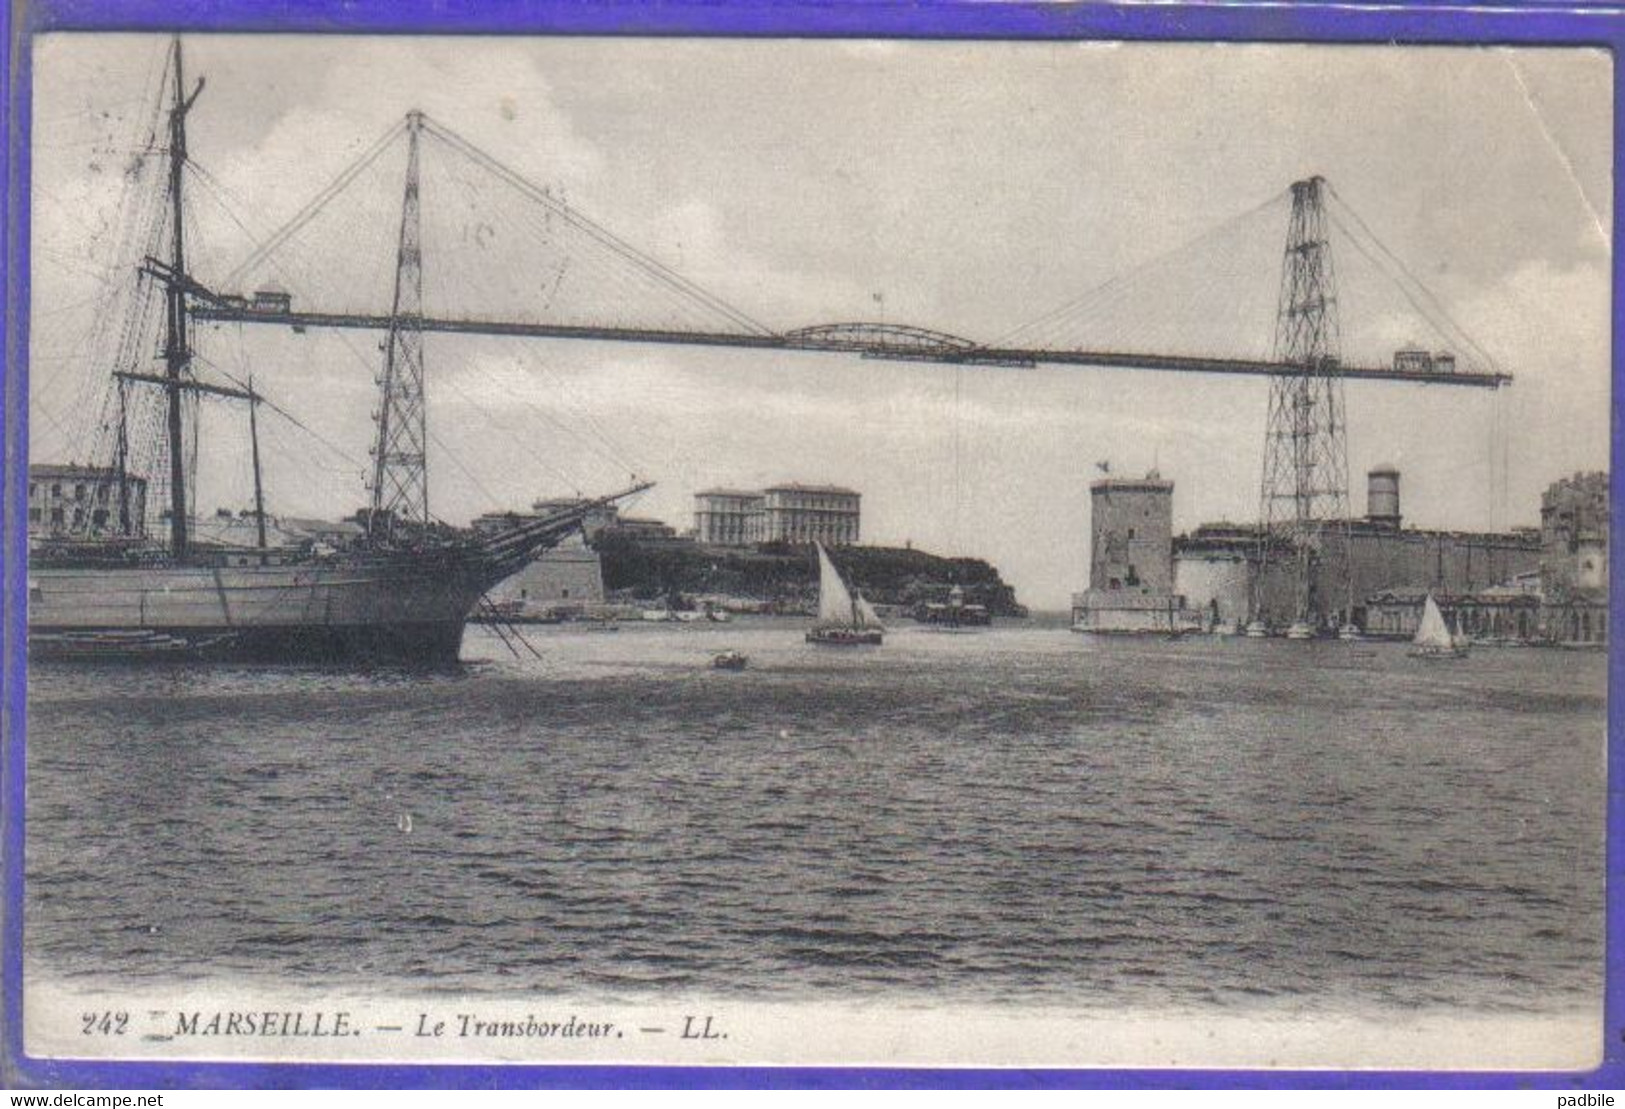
[400,480]
[1304,491]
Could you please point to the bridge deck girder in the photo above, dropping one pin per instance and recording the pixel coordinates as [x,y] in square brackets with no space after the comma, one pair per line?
[872,341]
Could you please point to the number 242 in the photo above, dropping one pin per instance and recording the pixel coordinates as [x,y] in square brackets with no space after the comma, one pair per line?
[104,1024]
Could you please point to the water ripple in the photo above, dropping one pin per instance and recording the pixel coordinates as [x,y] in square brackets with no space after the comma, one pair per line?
[1021,814]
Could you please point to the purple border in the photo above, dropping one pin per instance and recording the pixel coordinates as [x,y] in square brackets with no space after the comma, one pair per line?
[1419,21]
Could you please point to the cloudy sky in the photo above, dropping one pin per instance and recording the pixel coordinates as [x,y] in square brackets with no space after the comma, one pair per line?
[969,188]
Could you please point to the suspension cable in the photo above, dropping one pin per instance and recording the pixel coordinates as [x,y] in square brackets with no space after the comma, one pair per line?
[603,236]
[315,204]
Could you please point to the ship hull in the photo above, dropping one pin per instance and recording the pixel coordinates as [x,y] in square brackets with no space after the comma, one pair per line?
[846,637]
[303,613]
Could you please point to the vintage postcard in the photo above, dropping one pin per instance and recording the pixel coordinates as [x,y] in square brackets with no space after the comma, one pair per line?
[780,551]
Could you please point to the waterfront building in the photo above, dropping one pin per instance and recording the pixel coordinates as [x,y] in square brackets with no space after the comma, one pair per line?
[1214,568]
[1527,584]
[1217,565]
[827,514]
[729,517]
[1502,613]
[597,519]
[643,527]
[791,513]
[565,581]
[1574,521]
[84,501]
[1131,534]
[1131,570]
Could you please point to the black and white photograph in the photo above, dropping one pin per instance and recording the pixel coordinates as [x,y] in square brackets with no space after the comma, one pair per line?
[716,551]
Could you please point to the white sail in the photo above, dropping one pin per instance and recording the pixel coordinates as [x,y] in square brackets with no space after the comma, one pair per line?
[1433,633]
[834,602]
[867,617]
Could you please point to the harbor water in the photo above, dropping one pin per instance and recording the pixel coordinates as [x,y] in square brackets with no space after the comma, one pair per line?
[1017,814]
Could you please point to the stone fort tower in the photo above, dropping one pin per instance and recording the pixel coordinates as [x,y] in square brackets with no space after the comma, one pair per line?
[1131,535]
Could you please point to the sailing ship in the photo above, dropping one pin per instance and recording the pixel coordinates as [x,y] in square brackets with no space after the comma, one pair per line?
[845,619]
[400,592]
[1434,639]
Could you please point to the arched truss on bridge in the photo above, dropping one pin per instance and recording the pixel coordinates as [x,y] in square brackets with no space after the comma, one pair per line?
[870,338]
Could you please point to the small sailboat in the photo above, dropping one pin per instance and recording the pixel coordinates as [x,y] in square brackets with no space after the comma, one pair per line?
[1348,631]
[1459,636]
[1434,638]
[845,619]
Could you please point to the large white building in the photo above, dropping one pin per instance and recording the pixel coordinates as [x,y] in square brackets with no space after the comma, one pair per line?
[828,514]
[792,513]
[729,517]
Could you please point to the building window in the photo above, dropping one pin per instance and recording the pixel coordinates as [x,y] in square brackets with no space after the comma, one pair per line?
[56,516]
[79,491]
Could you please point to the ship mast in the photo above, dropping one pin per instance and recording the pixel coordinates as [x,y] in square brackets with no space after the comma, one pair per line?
[177,351]
[123,458]
[254,447]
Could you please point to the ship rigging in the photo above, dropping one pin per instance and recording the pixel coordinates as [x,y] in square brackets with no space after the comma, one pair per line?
[402,592]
